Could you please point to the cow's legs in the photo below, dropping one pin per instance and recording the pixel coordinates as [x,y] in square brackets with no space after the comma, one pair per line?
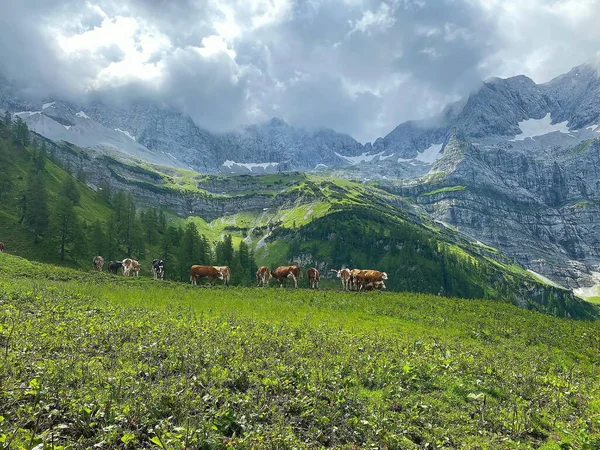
[295,282]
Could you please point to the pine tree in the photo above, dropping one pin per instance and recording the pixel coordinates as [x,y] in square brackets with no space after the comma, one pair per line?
[69,190]
[21,132]
[7,119]
[104,191]
[79,249]
[98,239]
[162,221]
[5,171]
[63,225]
[112,243]
[81,176]
[189,248]
[35,205]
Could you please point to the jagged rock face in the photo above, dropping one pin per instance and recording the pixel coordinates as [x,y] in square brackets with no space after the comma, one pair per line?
[543,211]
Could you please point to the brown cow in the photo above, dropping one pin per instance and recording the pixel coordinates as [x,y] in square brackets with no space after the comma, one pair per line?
[345,276]
[1,247]
[130,265]
[283,272]
[263,275]
[98,263]
[226,274]
[364,277]
[210,272]
[313,278]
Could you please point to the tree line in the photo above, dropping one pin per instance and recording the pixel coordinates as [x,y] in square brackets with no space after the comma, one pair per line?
[129,231]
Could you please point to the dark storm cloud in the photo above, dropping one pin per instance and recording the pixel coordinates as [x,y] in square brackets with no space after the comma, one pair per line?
[358,66]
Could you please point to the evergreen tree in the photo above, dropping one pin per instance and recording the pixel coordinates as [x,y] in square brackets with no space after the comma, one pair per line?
[224,251]
[81,176]
[104,191]
[34,205]
[98,239]
[162,221]
[169,242]
[63,225]
[21,132]
[69,190]
[7,119]
[189,248]
[5,171]
[149,219]
[80,244]
[112,243]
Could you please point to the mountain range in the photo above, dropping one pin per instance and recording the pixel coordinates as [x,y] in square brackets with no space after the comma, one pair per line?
[516,165]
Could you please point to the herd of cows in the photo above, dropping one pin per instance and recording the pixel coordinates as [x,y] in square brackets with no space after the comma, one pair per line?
[355,279]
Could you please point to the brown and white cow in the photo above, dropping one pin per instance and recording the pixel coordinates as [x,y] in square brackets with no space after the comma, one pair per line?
[98,263]
[354,284]
[263,275]
[314,276]
[210,272]
[374,285]
[226,274]
[1,247]
[364,277]
[344,275]
[131,265]
[283,272]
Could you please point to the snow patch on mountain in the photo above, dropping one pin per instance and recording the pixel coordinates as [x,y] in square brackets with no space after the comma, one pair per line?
[48,105]
[431,154]
[362,158]
[83,115]
[126,133]
[531,128]
[245,168]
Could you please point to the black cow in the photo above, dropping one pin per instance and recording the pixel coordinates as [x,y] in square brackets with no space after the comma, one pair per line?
[158,268]
[114,266]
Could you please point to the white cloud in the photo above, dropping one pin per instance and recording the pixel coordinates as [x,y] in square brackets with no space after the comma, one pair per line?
[359,66]
[375,22]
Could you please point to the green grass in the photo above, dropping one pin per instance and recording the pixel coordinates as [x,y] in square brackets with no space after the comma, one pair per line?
[131,363]
[585,204]
[445,189]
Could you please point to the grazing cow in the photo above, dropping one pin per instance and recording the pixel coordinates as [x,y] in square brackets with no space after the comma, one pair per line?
[364,277]
[131,265]
[354,285]
[283,272]
[314,276]
[375,285]
[98,263]
[263,275]
[158,269]
[1,247]
[226,274]
[345,276]
[210,272]
[114,266]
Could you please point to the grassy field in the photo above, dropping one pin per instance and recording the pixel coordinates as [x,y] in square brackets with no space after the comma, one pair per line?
[96,360]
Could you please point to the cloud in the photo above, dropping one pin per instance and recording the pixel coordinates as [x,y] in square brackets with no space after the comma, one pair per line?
[358,66]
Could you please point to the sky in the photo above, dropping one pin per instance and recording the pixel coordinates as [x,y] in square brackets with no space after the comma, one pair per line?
[358,66]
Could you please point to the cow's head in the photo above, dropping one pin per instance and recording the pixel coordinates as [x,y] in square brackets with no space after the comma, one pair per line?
[384,276]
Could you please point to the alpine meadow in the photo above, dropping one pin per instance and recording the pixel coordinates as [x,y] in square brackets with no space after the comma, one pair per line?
[289,224]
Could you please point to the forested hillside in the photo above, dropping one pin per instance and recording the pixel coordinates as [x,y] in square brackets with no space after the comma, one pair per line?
[49,214]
